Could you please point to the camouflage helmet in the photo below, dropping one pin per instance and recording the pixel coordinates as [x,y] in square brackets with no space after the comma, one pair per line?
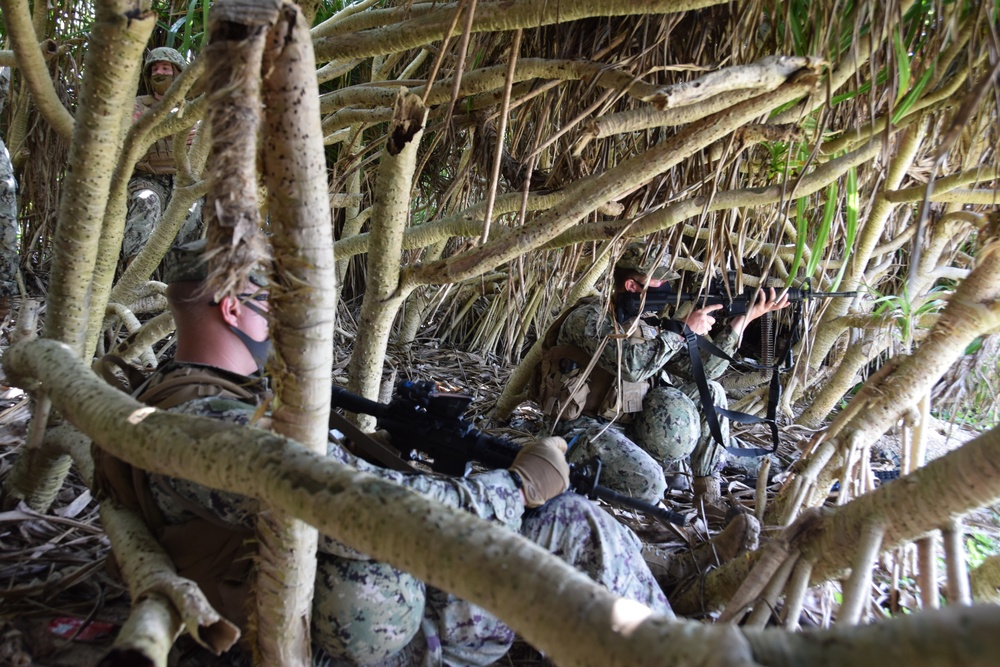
[164,54]
[641,258]
[187,263]
[668,426]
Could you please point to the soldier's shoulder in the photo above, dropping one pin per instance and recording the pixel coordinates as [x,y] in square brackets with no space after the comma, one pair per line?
[586,310]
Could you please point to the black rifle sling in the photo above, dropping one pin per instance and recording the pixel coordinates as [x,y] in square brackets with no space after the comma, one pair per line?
[695,344]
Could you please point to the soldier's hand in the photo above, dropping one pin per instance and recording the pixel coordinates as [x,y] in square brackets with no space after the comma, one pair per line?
[543,470]
[764,302]
[701,321]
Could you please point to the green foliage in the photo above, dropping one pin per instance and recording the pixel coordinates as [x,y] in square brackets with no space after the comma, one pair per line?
[902,65]
[328,8]
[786,159]
[819,245]
[908,40]
[979,546]
[802,228]
[910,98]
[905,311]
[188,33]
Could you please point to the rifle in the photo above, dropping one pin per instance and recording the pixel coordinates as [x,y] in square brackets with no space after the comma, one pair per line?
[627,304]
[433,420]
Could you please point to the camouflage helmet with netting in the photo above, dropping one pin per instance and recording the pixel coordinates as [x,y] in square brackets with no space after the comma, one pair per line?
[188,263]
[650,261]
[165,54]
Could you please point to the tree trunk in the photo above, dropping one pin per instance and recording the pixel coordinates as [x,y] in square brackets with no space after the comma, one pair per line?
[304,308]
[391,213]
[117,40]
[8,231]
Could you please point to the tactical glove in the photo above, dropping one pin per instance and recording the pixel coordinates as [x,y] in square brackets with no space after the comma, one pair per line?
[543,470]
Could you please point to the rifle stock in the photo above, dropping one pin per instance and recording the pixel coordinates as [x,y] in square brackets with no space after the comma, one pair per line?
[433,423]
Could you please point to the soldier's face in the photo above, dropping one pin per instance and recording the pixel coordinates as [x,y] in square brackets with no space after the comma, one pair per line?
[162,69]
[638,284]
[161,76]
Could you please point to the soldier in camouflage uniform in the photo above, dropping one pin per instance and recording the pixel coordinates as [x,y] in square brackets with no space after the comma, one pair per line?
[8,214]
[613,412]
[366,612]
[153,179]
[8,231]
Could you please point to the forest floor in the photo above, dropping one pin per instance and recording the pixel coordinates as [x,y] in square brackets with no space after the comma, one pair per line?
[59,606]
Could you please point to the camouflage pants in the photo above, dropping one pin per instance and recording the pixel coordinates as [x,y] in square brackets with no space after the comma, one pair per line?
[370,613]
[708,456]
[8,225]
[625,466]
[148,197]
[635,455]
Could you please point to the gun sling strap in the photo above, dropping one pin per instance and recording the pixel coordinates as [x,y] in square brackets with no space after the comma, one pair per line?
[696,344]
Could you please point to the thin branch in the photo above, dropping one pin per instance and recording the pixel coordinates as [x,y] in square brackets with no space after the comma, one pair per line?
[31,61]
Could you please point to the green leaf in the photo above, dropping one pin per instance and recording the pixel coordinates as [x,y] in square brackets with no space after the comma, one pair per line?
[819,245]
[902,66]
[802,226]
[192,10]
[911,97]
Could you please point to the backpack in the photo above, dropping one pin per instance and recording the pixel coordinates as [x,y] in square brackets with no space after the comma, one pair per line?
[216,556]
[568,382]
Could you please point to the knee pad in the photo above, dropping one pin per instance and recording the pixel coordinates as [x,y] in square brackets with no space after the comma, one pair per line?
[668,426]
[364,611]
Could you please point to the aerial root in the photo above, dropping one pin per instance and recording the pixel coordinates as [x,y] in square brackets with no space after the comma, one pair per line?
[151,578]
[795,593]
[764,607]
[858,586]
[954,556]
[770,561]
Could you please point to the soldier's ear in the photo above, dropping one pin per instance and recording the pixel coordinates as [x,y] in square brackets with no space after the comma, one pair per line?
[229,309]
[632,285]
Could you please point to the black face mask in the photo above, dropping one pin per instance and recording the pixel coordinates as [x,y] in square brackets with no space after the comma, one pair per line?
[258,349]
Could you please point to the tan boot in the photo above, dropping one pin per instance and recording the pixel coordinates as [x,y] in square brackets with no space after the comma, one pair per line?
[671,568]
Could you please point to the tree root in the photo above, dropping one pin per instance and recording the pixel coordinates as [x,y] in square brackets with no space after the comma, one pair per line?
[151,578]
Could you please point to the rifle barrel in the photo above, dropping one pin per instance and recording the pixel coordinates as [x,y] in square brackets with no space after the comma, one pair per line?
[341,398]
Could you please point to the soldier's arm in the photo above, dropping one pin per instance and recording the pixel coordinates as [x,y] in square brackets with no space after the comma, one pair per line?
[638,357]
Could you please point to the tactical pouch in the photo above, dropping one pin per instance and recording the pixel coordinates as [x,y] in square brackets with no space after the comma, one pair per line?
[563,394]
[623,398]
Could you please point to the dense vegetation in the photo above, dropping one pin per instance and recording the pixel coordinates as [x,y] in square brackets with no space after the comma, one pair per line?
[482,164]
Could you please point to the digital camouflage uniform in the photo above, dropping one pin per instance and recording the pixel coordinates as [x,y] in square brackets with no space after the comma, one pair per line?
[152,181]
[8,212]
[670,425]
[148,196]
[367,612]
[8,229]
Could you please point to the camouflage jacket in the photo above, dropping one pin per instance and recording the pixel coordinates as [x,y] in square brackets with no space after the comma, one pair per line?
[640,356]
